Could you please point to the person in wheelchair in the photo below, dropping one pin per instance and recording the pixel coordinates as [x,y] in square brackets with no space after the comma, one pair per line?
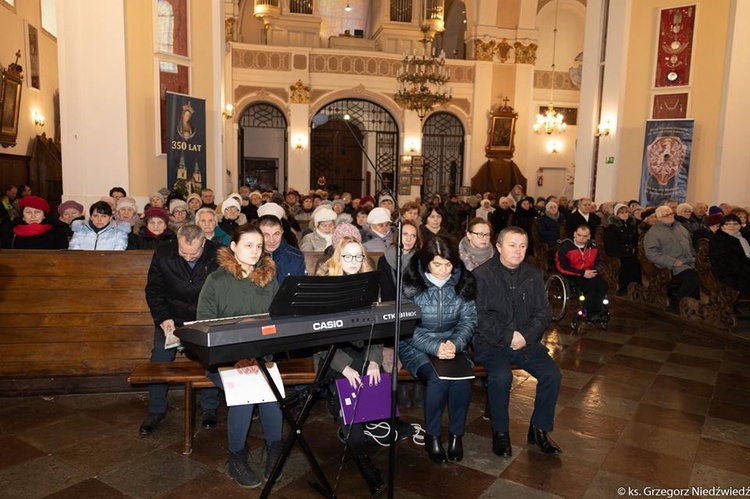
[578,259]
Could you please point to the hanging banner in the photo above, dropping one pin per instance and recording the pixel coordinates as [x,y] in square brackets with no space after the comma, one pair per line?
[666,161]
[186,144]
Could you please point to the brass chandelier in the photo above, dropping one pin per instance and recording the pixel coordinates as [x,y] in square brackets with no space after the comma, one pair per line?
[551,121]
[422,78]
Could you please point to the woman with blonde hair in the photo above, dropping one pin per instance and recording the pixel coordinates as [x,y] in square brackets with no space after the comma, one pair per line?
[358,362]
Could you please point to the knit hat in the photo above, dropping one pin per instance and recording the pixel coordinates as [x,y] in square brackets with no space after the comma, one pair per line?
[194,196]
[67,205]
[647,213]
[228,203]
[236,196]
[731,218]
[323,214]
[345,230]
[618,206]
[549,206]
[715,219]
[34,202]
[366,199]
[379,215]
[127,202]
[385,197]
[176,204]
[156,212]
[339,202]
[715,209]
[156,194]
[272,209]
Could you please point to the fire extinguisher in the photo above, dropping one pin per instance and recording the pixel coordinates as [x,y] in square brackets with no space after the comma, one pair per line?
[539,177]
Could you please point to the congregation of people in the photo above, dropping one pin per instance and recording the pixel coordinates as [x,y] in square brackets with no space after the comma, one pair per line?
[466,262]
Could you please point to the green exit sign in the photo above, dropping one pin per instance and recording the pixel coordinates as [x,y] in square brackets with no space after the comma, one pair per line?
[610,160]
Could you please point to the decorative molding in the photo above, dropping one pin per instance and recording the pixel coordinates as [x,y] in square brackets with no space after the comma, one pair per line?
[503,50]
[300,62]
[229,29]
[543,79]
[243,91]
[484,51]
[359,89]
[300,93]
[261,60]
[525,54]
[461,103]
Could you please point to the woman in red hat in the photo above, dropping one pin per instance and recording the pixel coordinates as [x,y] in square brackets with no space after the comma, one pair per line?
[34,230]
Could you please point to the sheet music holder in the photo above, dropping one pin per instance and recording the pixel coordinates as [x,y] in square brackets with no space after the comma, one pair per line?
[313,295]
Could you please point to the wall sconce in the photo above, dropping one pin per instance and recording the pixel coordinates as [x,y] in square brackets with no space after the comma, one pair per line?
[604,128]
[412,145]
[300,142]
[228,111]
[554,146]
[38,118]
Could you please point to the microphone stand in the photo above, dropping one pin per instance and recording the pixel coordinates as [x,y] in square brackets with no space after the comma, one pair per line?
[397,322]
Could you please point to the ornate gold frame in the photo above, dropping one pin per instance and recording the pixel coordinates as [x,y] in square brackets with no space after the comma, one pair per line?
[500,141]
[10,104]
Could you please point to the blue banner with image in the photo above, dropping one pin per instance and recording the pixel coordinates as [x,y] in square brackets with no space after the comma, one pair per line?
[186,144]
[666,161]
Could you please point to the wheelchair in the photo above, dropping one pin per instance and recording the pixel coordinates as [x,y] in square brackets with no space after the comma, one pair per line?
[561,292]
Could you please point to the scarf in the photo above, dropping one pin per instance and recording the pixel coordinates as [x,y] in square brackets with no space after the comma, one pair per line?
[471,256]
[390,257]
[28,230]
[553,217]
[328,237]
[434,280]
[132,220]
[156,236]
[743,243]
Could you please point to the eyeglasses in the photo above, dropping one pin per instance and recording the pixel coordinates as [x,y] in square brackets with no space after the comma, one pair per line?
[480,235]
[350,258]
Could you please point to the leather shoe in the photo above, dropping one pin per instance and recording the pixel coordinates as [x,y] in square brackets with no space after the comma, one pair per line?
[209,419]
[455,447]
[541,438]
[435,449]
[501,444]
[150,423]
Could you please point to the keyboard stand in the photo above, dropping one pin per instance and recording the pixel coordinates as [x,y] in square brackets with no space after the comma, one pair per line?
[323,486]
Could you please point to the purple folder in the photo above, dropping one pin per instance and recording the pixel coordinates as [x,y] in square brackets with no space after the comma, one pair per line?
[367,403]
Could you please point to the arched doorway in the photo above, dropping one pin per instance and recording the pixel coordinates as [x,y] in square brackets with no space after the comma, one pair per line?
[443,155]
[335,153]
[262,148]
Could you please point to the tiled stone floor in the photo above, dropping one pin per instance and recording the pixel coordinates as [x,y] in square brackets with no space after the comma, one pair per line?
[649,403]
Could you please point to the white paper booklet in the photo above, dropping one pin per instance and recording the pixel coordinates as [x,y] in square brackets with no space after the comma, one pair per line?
[243,387]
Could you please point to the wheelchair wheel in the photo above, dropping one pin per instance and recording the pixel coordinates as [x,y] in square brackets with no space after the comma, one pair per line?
[557,295]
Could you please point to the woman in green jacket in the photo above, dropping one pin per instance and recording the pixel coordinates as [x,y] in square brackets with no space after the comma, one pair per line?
[244,284]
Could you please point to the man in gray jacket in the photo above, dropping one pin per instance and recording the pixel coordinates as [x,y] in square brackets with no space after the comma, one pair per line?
[667,245]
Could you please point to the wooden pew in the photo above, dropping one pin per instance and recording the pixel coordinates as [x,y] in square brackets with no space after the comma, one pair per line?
[75,321]
[653,291]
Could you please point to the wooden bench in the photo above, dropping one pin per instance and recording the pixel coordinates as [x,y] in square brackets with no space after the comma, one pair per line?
[192,375]
[75,321]
[653,291]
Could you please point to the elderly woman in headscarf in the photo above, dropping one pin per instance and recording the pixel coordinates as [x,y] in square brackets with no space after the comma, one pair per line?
[127,211]
[178,214]
[33,229]
[322,235]
[69,210]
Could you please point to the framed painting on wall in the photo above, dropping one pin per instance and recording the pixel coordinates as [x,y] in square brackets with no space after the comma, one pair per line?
[674,49]
[172,26]
[172,77]
[404,189]
[10,105]
[670,106]
[502,130]
[31,40]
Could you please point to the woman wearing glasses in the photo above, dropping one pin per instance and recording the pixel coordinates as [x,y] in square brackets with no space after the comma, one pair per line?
[476,246]
[357,359]
[729,252]
[244,284]
[437,281]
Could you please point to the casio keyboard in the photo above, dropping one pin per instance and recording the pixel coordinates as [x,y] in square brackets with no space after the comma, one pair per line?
[223,341]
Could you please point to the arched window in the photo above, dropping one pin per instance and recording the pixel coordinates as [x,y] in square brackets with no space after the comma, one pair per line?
[443,155]
[262,146]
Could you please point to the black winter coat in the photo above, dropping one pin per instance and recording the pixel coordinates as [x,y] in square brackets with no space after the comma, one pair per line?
[575,220]
[728,261]
[510,300]
[173,287]
[621,238]
[55,238]
[143,241]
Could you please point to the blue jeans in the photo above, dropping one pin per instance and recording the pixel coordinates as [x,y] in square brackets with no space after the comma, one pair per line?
[457,393]
[536,361]
[157,392]
[239,418]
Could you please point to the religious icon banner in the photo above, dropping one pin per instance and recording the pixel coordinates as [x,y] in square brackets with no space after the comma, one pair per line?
[666,161]
[675,46]
[186,144]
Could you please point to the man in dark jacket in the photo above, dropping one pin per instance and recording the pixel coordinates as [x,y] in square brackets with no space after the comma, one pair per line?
[513,314]
[288,259]
[583,215]
[177,273]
